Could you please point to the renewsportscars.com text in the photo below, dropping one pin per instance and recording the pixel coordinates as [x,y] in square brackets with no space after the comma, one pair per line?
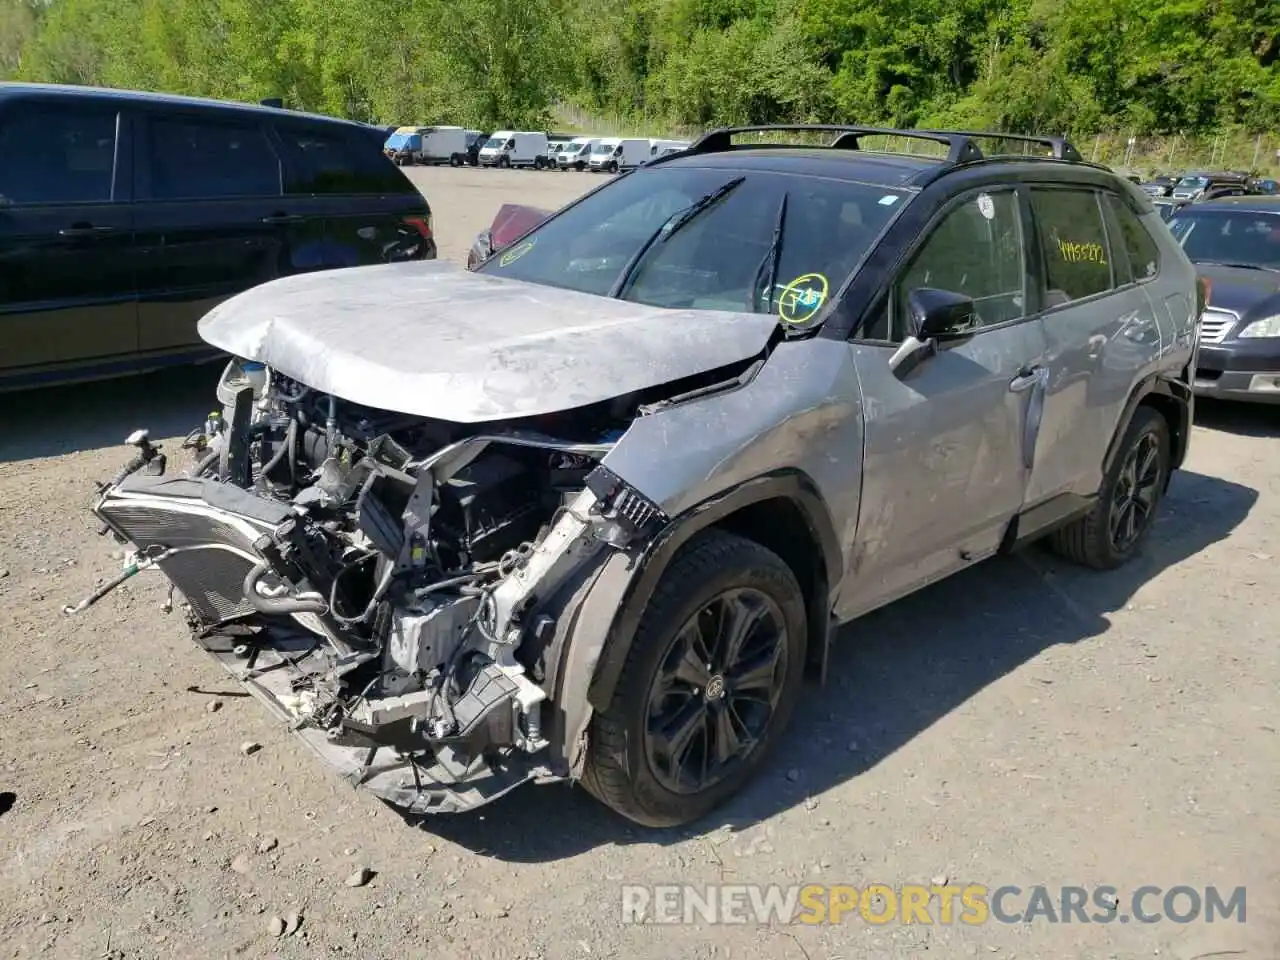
[971,904]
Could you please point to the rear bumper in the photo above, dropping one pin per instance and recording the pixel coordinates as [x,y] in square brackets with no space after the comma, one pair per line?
[1239,370]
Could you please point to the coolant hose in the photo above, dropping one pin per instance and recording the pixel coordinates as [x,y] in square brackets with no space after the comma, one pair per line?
[278,605]
[290,440]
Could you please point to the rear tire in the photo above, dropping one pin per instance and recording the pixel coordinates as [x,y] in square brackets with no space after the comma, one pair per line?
[1112,533]
[683,673]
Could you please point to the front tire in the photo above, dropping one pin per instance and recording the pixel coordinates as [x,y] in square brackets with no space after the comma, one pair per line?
[1124,512]
[708,685]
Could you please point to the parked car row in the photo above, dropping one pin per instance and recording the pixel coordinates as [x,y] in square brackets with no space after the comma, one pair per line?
[510,148]
[1171,193]
[455,146]
[523,149]
[1202,185]
[125,217]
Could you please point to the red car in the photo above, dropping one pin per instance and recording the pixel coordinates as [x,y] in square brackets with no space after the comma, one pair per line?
[511,222]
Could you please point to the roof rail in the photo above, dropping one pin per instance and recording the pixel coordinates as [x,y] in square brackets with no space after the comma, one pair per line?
[959,143]
[1060,147]
[959,147]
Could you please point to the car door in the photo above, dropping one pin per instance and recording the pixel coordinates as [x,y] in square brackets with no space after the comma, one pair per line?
[367,209]
[1099,325]
[67,284]
[947,445]
[211,219]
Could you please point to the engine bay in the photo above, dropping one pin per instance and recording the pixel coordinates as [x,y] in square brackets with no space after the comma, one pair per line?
[390,585]
[379,577]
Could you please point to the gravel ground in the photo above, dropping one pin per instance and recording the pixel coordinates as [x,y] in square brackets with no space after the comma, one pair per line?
[1025,723]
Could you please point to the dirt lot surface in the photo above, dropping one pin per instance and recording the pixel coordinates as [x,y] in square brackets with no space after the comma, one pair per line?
[1026,723]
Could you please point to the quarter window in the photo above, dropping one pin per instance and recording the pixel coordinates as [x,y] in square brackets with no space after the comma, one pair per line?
[336,164]
[201,160]
[977,251]
[1077,261]
[54,155]
[1138,246]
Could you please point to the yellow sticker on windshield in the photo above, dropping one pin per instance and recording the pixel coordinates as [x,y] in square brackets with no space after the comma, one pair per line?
[801,298]
[515,253]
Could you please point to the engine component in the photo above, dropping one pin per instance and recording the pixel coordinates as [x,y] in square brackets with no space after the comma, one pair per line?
[489,507]
[426,635]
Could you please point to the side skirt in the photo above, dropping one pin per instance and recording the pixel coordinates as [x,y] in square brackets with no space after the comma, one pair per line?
[1041,520]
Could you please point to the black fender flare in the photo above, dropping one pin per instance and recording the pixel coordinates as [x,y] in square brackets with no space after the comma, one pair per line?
[1178,394]
[791,485]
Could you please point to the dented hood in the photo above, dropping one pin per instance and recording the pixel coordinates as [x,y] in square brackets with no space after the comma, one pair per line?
[435,340]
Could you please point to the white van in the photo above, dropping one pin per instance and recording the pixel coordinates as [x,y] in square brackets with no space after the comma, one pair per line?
[660,148]
[443,145]
[618,153]
[515,148]
[553,151]
[575,153]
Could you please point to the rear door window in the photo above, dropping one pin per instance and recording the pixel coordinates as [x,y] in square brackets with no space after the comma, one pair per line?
[1074,241]
[210,160]
[1133,243]
[55,154]
[325,162]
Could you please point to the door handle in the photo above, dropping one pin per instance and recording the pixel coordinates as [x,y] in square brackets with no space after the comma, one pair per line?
[1027,378]
[278,218]
[84,230]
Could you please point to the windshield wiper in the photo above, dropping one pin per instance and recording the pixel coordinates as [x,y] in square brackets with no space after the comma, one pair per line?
[1238,266]
[770,259]
[669,227]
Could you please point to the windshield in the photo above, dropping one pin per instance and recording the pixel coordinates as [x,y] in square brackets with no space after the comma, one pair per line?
[1229,236]
[397,140]
[1194,182]
[720,258]
[494,142]
[602,148]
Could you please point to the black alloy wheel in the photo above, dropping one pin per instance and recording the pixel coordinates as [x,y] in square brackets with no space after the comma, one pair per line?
[1125,508]
[1136,493]
[716,690]
[709,682]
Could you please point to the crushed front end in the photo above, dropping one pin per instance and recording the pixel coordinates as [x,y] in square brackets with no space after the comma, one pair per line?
[389,585]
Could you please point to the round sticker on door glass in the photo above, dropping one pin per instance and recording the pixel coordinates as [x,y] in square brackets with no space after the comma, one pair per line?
[801,298]
[986,206]
[515,253]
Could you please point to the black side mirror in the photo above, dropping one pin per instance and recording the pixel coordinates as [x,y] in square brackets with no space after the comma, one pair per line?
[940,313]
[935,315]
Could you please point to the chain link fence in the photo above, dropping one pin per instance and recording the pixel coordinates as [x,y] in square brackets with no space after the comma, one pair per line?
[1145,156]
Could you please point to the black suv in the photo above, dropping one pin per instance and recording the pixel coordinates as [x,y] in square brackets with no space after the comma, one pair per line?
[125,216]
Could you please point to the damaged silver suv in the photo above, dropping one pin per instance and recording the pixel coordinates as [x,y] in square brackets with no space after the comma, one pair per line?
[592,510]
